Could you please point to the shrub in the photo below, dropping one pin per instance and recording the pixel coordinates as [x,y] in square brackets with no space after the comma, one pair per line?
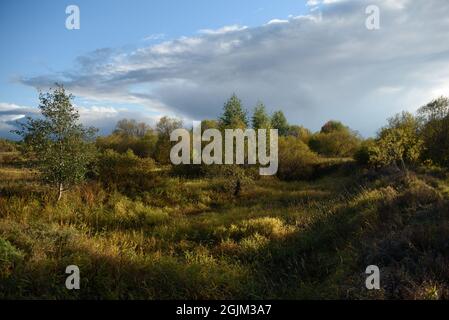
[141,146]
[9,257]
[399,142]
[127,172]
[296,160]
[364,153]
[7,146]
[434,121]
[341,143]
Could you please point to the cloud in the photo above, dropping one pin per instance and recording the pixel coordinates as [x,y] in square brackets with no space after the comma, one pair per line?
[102,117]
[315,67]
[153,37]
[223,30]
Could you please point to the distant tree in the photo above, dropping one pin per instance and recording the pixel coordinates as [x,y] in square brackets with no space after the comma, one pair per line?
[60,143]
[164,128]
[260,118]
[335,140]
[279,121]
[299,132]
[209,124]
[131,128]
[332,126]
[130,135]
[234,115]
[434,123]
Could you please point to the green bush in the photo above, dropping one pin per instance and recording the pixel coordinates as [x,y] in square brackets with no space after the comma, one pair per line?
[398,143]
[364,153]
[9,257]
[296,160]
[342,143]
[142,146]
[127,172]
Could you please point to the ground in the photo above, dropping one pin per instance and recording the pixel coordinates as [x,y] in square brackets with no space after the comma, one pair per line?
[190,239]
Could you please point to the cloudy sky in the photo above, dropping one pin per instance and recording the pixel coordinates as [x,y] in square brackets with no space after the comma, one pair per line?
[316,60]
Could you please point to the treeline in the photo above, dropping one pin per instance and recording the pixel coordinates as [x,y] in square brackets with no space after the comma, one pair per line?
[411,140]
[333,140]
[135,156]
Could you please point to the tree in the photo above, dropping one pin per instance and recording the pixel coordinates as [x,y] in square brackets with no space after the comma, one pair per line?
[278,121]
[296,160]
[131,128]
[332,126]
[234,116]
[260,119]
[62,146]
[399,142]
[434,129]
[164,128]
[300,132]
[335,140]
[130,135]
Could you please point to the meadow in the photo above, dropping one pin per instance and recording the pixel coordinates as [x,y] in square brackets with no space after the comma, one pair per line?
[188,238]
[139,227]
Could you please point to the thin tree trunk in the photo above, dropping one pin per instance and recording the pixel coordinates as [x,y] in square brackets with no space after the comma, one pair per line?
[60,191]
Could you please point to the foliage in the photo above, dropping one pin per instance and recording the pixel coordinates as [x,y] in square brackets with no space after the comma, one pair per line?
[300,132]
[279,121]
[131,128]
[434,122]
[62,146]
[260,119]
[335,140]
[296,160]
[164,128]
[398,143]
[234,115]
[144,146]
[332,126]
[126,171]
[7,146]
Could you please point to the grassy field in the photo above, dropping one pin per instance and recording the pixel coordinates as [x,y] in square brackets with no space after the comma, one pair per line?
[189,239]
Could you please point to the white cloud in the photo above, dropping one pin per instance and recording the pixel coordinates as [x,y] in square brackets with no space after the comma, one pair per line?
[153,37]
[277,21]
[223,30]
[319,66]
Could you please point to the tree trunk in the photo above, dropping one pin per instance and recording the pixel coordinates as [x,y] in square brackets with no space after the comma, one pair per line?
[404,167]
[238,188]
[60,191]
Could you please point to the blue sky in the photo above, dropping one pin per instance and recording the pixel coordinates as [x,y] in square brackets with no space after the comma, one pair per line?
[313,59]
[37,41]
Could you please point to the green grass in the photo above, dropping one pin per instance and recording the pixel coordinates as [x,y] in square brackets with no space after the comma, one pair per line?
[188,239]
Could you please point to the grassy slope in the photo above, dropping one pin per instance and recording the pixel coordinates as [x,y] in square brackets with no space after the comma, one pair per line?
[188,239]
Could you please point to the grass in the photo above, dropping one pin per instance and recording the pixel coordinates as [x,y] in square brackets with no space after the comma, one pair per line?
[188,239]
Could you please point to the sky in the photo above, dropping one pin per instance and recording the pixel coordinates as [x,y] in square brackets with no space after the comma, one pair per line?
[315,59]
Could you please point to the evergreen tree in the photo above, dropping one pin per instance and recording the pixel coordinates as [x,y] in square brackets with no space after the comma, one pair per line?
[278,121]
[234,116]
[260,119]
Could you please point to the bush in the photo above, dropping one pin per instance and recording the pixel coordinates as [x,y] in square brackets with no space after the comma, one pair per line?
[7,146]
[142,146]
[127,172]
[342,143]
[363,153]
[398,143]
[434,122]
[296,160]
[9,257]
